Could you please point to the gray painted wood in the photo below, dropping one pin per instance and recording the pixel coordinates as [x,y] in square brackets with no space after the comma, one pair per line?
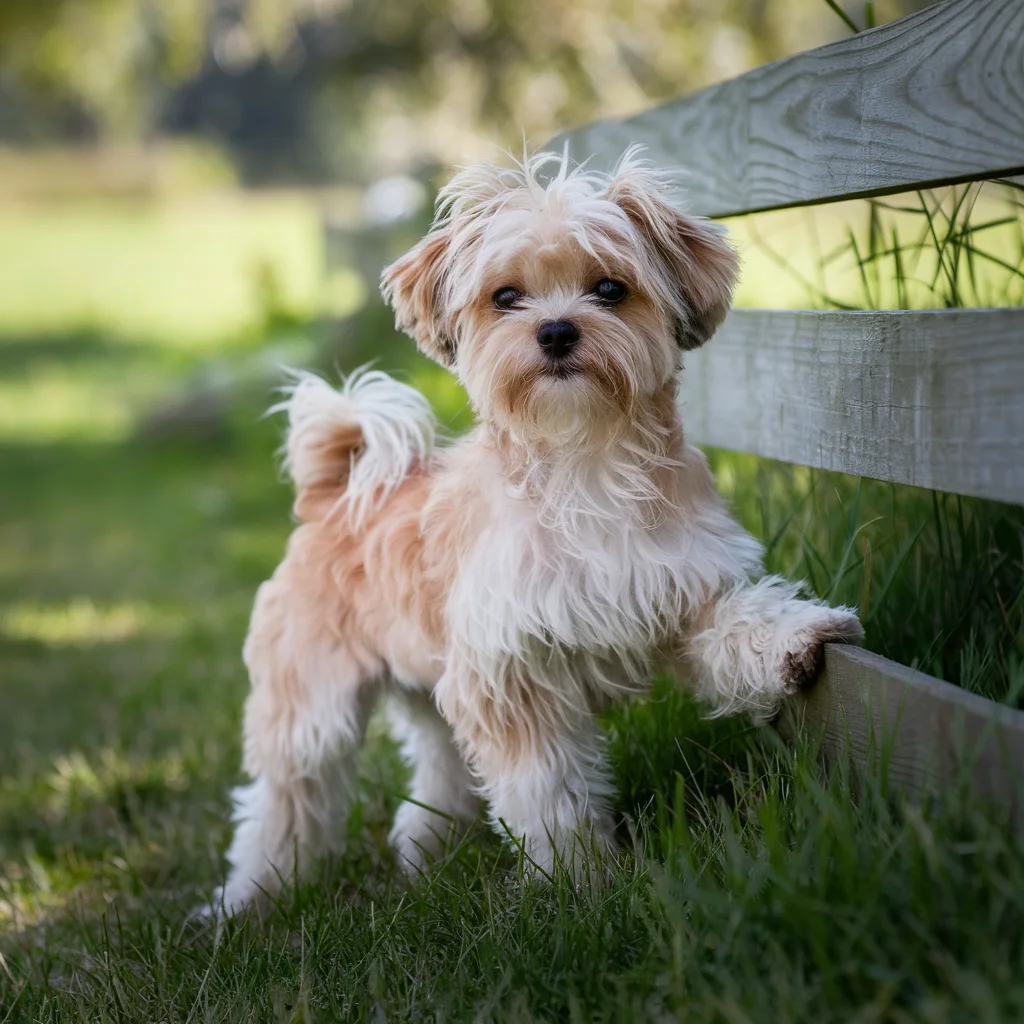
[936,97]
[934,398]
[928,733]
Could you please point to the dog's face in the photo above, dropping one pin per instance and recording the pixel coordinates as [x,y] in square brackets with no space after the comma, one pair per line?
[561,307]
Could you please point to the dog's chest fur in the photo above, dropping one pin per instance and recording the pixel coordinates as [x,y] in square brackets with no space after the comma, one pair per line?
[590,570]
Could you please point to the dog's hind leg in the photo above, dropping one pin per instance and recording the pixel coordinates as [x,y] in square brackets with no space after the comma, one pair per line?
[442,797]
[304,723]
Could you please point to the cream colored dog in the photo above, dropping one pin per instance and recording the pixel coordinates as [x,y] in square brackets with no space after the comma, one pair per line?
[505,588]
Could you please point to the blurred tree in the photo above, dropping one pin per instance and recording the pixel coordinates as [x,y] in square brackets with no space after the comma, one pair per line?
[388,83]
[117,59]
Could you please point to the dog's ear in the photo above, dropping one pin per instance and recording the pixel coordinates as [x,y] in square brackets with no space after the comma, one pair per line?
[695,252]
[412,286]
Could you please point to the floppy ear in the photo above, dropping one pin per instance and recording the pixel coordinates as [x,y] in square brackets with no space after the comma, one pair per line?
[412,287]
[695,252]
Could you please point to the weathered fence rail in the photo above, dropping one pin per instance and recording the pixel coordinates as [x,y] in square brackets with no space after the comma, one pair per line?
[934,399]
[934,98]
[928,734]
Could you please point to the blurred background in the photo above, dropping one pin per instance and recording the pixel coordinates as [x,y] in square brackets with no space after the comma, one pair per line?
[194,193]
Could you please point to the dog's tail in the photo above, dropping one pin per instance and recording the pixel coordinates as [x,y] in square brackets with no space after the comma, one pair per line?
[349,448]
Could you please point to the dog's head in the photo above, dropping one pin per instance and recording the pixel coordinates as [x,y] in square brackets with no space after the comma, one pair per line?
[562,305]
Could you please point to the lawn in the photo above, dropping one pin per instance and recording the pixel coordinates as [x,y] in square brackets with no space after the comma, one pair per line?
[755,887]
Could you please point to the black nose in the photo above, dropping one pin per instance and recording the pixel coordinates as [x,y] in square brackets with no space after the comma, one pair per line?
[558,337]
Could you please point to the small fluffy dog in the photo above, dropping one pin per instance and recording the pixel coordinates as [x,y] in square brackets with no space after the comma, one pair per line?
[504,589]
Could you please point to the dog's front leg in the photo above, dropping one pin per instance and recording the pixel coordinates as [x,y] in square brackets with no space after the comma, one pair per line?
[540,762]
[755,643]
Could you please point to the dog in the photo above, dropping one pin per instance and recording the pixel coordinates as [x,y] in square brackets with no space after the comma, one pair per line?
[503,589]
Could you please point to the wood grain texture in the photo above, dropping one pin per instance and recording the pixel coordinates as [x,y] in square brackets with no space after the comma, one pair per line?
[934,399]
[936,97]
[929,733]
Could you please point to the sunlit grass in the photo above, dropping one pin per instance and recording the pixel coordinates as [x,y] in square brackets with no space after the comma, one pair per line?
[81,621]
[75,778]
[52,401]
[186,273]
[959,246]
[36,885]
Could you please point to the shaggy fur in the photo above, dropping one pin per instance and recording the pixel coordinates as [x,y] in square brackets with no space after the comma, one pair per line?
[504,589]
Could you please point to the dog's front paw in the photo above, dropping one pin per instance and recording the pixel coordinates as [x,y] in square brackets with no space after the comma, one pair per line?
[804,655]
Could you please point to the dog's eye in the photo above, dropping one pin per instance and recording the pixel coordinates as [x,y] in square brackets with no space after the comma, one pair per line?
[608,290]
[507,297]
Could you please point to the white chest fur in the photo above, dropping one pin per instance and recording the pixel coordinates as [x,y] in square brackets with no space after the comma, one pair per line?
[585,573]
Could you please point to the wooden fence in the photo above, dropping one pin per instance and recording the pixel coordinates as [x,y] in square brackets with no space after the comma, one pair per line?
[934,399]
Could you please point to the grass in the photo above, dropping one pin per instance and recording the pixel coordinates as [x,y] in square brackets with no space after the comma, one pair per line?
[945,248]
[755,887]
[183,274]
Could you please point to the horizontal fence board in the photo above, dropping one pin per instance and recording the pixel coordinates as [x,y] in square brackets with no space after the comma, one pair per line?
[934,398]
[936,97]
[927,733]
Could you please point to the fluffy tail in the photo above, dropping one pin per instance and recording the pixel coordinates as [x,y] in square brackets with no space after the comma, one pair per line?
[351,447]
